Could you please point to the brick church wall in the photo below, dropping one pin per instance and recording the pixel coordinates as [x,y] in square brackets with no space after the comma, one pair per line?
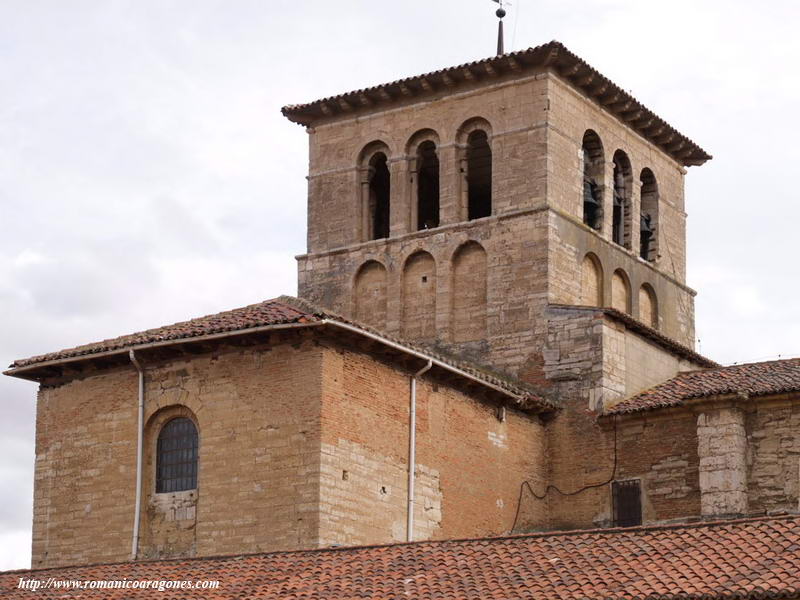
[470,464]
[300,445]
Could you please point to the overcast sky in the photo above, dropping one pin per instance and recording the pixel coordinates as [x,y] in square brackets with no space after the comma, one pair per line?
[147,176]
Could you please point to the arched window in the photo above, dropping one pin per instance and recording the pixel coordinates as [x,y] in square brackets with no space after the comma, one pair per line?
[620,230]
[479,175]
[427,186]
[648,240]
[176,456]
[593,174]
[379,190]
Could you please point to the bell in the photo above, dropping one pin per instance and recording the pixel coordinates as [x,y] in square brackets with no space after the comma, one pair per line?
[590,194]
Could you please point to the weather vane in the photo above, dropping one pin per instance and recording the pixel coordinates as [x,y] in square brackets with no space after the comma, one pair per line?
[501,12]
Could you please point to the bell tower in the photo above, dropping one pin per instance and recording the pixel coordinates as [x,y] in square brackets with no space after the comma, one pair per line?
[459,208]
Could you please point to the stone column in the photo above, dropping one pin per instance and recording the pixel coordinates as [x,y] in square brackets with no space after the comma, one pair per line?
[450,186]
[364,229]
[398,206]
[636,216]
[721,447]
[608,200]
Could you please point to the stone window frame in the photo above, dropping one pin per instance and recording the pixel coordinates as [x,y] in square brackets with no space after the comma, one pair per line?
[652,198]
[598,169]
[412,158]
[622,161]
[364,170]
[466,129]
[153,428]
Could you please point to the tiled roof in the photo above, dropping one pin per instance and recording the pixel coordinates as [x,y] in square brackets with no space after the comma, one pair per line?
[283,311]
[269,312]
[745,559]
[754,379]
[552,55]
[645,331]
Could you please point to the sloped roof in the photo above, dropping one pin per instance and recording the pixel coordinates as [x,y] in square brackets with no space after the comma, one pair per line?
[269,312]
[553,55]
[745,559]
[284,311]
[755,379]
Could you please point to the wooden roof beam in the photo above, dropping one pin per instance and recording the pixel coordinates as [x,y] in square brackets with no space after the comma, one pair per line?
[426,84]
[405,90]
[490,70]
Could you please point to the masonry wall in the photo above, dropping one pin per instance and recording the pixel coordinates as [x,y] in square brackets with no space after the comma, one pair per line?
[512,111]
[470,464]
[569,244]
[591,361]
[505,332]
[773,454]
[257,412]
[569,117]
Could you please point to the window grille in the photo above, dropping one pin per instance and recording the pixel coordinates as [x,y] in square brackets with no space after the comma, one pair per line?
[627,503]
[176,456]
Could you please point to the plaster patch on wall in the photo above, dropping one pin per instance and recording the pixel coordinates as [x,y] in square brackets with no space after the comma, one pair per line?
[498,439]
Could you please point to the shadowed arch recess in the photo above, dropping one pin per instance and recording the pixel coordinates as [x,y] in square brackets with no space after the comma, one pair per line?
[419,297]
[469,293]
[591,281]
[370,294]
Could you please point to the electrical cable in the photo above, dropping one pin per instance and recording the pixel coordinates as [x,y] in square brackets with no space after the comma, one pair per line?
[549,487]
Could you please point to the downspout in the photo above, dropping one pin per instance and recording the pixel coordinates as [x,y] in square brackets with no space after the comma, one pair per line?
[412,449]
[135,541]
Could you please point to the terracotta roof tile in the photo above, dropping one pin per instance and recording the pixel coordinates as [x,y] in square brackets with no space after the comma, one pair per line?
[748,559]
[755,379]
[269,312]
[277,312]
[553,55]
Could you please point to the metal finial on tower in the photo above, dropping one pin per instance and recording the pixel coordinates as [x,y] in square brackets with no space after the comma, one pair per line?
[501,12]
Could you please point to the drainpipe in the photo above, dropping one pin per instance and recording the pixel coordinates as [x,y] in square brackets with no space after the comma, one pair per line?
[412,450]
[135,542]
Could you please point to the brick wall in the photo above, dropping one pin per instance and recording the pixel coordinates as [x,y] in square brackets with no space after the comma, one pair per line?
[300,445]
[470,465]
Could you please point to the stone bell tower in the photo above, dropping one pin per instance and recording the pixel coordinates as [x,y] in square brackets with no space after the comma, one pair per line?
[458,208]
